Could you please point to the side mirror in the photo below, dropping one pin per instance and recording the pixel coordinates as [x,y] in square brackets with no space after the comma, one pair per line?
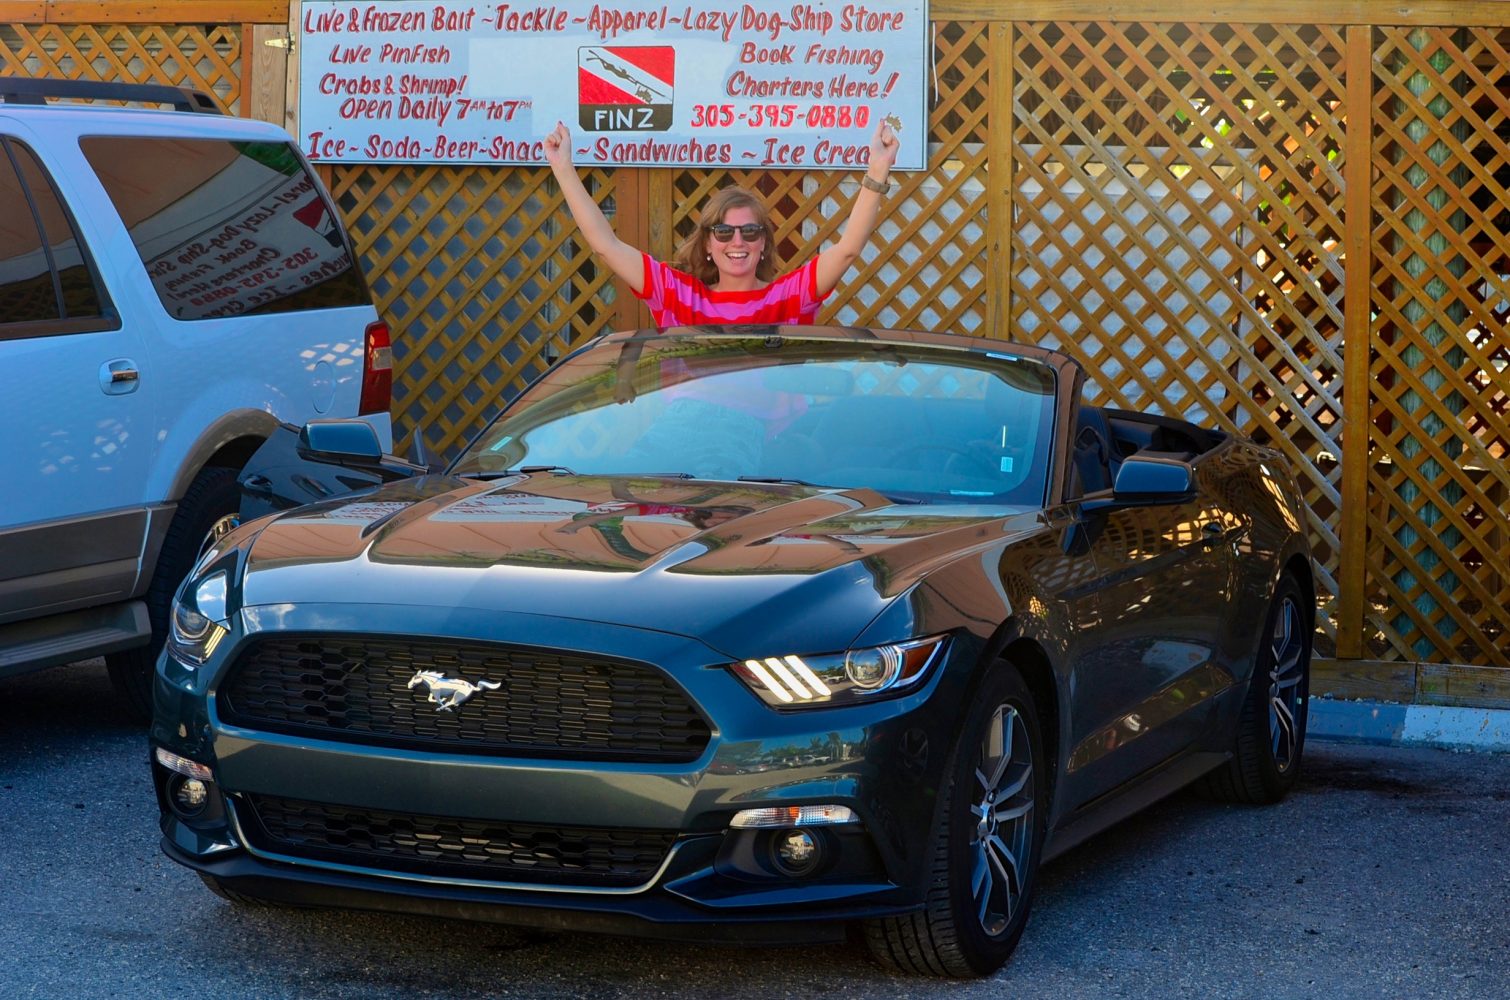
[352,443]
[339,440]
[1153,478]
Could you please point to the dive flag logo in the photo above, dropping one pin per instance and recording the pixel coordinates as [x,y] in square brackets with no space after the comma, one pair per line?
[625,88]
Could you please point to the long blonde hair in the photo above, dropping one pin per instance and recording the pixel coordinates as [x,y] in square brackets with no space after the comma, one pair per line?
[692,254]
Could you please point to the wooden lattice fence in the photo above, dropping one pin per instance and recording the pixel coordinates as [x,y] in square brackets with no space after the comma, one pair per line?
[1286,221]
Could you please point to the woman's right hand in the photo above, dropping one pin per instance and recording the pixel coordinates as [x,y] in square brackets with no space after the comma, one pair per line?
[558,146]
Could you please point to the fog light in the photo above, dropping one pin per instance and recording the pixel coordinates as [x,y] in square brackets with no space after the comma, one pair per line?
[797,848]
[188,796]
[797,852]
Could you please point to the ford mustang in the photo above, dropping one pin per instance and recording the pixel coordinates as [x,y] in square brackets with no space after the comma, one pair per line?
[741,634]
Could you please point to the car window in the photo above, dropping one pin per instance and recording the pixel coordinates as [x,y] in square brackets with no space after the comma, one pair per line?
[81,296]
[228,228]
[914,423]
[27,293]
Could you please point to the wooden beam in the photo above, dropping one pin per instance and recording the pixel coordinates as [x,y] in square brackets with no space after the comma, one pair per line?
[23,11]
[631,223]
[1450,684]
[1357,331]
[662,208]
[263,87]
[999,219]
[249,72]
[291,76]
[1467,687]
[1370,680]
[1464,13]
[165,12]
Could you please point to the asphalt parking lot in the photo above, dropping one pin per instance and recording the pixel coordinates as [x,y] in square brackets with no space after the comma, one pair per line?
[1386,874]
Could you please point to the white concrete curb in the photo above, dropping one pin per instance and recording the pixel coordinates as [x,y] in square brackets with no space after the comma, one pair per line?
[1377,722]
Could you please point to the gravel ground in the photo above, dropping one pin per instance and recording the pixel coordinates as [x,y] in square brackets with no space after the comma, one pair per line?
[1387,873]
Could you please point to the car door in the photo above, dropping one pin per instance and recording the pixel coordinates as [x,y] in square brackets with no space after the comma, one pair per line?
[77,416]
[1146,681]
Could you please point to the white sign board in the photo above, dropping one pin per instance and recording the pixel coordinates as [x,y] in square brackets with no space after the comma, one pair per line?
[639,83]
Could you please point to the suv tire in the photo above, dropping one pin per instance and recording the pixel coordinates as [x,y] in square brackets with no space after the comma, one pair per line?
[211,496]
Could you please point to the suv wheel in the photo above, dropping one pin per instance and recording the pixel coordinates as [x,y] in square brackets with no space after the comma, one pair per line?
[211,498]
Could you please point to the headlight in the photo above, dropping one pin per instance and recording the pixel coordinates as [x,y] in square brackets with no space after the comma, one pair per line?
[856,675]
[198,620]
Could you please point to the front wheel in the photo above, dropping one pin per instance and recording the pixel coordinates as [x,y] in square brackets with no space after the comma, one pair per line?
[1271,729]
[985,852]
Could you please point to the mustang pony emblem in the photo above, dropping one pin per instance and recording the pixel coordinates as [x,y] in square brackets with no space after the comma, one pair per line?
[447,692]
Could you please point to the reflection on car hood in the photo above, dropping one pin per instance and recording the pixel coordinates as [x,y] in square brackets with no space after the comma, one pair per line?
[682,556]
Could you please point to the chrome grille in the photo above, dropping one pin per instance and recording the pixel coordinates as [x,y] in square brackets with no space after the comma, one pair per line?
[549,704]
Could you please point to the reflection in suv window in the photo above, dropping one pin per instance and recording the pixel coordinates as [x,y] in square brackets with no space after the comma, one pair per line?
[26,290]
[28,293]
[80,297]
[227,228]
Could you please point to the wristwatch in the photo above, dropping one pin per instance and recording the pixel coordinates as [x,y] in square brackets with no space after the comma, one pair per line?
[870,184]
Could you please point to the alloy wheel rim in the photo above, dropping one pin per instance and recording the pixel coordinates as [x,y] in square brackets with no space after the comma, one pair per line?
[1002,813]
[1286,674]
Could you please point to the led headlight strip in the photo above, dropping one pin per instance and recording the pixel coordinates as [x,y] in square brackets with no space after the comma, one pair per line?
[793,681]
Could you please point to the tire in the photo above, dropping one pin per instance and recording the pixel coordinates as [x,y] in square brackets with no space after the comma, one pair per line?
[1271,728]
[979,890]
[212,498]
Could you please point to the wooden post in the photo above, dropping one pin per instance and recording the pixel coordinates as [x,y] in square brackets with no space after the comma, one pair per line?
[662,210]
[249,72]
[631,221]
[263,88]
[999,221]
[1357,331]
[291,76]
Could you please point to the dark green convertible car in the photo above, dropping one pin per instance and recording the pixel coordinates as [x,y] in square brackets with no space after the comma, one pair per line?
[741,634]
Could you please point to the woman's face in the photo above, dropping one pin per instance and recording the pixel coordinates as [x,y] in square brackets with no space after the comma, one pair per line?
[737,258]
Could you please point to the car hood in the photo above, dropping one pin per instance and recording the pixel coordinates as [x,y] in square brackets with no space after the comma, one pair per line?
[736,565]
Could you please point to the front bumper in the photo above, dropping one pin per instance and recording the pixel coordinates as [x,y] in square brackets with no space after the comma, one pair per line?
[882,760]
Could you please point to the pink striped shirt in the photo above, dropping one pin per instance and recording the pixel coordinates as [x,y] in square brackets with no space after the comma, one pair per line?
[676,298]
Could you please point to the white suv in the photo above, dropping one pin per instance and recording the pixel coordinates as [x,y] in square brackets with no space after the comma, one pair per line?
[173,284]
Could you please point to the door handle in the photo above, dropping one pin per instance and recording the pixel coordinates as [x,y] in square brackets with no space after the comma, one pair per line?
[119,377]
[258,485]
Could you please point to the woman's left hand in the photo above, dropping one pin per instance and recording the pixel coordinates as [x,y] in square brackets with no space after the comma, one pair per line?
[884,145]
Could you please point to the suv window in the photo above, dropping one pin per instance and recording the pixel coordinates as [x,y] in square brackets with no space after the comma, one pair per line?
[228,228]
[44,276]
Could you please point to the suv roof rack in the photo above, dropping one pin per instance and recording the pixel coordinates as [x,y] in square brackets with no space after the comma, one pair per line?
[26,90]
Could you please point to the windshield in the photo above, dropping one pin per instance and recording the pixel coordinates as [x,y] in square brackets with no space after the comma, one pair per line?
[913,422]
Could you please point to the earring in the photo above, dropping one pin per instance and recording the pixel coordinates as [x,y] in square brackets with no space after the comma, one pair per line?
[710,256]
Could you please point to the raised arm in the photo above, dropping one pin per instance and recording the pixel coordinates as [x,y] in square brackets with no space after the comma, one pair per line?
[837,259]
[621,258]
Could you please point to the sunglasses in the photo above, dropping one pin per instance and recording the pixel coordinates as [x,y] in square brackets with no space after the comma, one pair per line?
[751,231]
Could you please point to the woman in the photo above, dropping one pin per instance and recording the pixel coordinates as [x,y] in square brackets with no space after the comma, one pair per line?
[726,272]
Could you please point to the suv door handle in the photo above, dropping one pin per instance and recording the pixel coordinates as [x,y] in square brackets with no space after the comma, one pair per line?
[119,377]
